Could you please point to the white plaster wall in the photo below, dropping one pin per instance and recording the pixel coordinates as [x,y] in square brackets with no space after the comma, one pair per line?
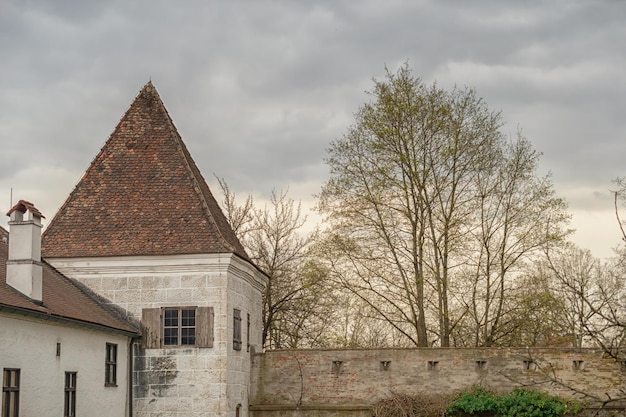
[29,344]
[189,382]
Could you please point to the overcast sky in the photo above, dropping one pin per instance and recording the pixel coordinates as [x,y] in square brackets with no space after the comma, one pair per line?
[258,89]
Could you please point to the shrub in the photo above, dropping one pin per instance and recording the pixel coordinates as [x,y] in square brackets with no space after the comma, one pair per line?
[476,402]
[519,403]
[404,405]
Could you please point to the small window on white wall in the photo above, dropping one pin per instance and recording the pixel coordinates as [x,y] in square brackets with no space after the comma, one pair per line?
[70,395]
[10,392]
[110,365]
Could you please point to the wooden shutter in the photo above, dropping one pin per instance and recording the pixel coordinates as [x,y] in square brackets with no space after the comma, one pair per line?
[151,328]
[237,329]
[204,327]
[248,333]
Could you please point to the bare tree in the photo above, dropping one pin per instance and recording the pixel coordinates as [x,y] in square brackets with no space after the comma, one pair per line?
[518,216]
[593,296]
[594,291]
[275,240]
[239,216]
[408,182]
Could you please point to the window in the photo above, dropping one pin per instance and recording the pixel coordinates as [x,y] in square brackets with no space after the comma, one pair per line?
[237,329]
[577,365]
[10,392]
[110,366]
[177,326]
[70,395]
[529,365]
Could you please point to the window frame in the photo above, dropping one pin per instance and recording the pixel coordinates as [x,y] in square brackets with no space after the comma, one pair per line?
[152,331]
[69,403]
[10,392]
[110,365]
[179,326]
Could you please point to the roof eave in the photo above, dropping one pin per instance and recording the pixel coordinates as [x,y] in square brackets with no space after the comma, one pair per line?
[68,321]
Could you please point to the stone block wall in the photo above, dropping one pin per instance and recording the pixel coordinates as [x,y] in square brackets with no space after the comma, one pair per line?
[183,381]
[345,383]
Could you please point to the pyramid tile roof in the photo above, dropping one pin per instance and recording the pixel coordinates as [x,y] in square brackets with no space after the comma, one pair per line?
[142,195]
[63,299]
[4,235]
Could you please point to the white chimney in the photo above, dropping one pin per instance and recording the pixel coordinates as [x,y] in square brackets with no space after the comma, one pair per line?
[24,268]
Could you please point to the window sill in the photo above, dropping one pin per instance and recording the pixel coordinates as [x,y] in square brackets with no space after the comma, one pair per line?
[178,346]
[110,385]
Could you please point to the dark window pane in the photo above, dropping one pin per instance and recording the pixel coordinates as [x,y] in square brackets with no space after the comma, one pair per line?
[171,318]
[189,318]
[170,336]
[188,336]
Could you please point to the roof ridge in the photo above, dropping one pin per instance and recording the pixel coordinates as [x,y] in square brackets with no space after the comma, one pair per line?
[188,166]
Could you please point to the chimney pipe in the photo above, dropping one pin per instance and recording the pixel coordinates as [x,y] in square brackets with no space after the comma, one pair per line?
[24,267]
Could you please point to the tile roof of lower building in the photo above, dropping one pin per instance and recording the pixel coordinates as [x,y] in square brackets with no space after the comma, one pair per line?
[64,299]
[142,195]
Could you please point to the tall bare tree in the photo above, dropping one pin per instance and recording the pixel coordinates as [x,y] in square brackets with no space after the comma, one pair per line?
[408,182]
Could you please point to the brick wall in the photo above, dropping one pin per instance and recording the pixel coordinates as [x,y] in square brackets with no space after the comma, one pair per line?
[344,383]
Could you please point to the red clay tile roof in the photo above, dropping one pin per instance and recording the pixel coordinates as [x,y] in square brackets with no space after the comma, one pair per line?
[142,195]
[63,298]
[24,206]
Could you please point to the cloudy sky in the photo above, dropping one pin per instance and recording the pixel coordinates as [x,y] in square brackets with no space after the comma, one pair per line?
[258,89]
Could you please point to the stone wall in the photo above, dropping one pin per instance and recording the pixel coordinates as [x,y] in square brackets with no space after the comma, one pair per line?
[188,381]
[346,383]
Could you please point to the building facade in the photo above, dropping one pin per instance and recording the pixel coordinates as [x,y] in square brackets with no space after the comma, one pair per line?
[61,352]
[142,233]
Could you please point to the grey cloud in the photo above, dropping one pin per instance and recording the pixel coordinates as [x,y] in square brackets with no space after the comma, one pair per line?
[258,89]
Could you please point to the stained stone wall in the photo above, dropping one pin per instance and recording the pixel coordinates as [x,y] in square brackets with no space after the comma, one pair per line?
[345,383]
[183,381]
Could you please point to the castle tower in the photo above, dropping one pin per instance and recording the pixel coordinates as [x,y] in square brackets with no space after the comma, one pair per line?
[142,229]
